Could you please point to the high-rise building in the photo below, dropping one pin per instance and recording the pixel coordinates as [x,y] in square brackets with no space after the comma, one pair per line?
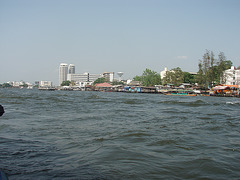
[71,69]
[63,71]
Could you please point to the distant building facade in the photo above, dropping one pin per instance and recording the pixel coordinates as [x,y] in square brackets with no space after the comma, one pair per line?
[85,77]
[109,76]
[163,73]
[231,76]
[63,71]
[45,84]
[19,84]
[93,77]
[16,84]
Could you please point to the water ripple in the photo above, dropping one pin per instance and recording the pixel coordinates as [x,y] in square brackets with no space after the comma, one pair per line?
[95,135]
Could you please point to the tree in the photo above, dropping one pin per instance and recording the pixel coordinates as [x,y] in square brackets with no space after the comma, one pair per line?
[66,83]
[174,76]
[149,78]
[117,83]
[205,69]
[188,78]
[200,79]
[6,85]
[223,65]
[211,70]
[138,78]
[99,80]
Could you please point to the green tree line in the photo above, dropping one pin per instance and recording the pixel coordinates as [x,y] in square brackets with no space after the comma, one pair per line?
[210,72]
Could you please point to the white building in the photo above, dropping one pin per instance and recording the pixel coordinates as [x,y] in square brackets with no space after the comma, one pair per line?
[231,76]
[163,73]
[109,76]
[63,71]
[81,78]
[17,84]
[71,69]
[45,84]
[93,77]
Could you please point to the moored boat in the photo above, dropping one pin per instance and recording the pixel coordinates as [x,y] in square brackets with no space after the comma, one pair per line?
[180,93]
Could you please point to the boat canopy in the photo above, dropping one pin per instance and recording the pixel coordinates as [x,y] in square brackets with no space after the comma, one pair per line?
[220,87]
[225,87]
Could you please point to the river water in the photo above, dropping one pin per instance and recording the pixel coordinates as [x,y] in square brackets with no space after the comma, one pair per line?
[97,135]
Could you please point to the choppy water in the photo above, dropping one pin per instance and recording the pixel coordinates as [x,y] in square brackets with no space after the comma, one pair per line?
[96,135]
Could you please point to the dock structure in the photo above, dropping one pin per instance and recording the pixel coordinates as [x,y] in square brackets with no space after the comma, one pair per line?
[47,88]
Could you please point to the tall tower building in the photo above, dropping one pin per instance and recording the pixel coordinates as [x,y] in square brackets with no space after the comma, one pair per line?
[63,71]
[71,69]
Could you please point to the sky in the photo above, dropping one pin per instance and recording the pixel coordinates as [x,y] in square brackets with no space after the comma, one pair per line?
[113,35]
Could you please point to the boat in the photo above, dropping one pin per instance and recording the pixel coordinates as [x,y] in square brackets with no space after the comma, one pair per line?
[180,93]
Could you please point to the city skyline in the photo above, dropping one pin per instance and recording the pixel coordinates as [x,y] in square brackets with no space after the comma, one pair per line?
[103,36]
[67,73]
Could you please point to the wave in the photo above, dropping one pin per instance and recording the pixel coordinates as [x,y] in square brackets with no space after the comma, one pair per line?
[94,97]
[196,103]
[163,142]
[135,134]
[233,103]
[132,102]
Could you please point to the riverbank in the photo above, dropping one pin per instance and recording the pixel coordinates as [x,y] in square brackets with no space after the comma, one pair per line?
[222,91]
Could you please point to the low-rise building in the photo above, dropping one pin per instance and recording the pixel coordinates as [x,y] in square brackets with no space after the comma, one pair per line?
[103,87]
[19,84]
[45,84]
[231,76]
[83,78]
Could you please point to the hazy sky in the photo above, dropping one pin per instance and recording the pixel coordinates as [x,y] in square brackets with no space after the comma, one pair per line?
[113,35]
